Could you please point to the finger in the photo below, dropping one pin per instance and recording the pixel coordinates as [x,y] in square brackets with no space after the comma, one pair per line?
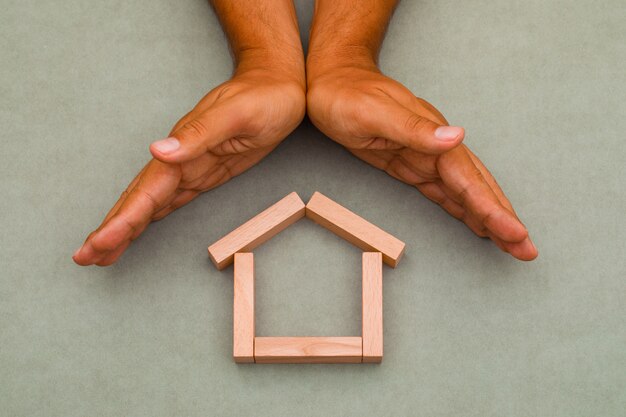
[404,166]
[181,199]
[390,120]
[423,164]
[472,221]
[433,192]
[524,250]
[222,172]
[377,158]
[123,197]
[112,257]
[201,134]
[194,172]
[469,188]
[491,181]
[430,111]
[156,186]
[88,254]
[499,243]
[400,169]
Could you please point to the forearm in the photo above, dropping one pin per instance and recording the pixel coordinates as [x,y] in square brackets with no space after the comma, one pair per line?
[263,34]
[347,32]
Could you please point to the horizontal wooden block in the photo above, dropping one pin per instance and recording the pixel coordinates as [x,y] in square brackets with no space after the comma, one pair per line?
[308,349]
[243,308]
[372,305]
[257,230]
[354,228]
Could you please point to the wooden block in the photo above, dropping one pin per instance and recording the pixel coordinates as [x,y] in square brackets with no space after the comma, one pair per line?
[243,308]
[257,230]
[308,349]
[372,306]
[354,229]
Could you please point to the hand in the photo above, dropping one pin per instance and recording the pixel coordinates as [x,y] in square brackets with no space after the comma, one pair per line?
[382,122]
[229,130]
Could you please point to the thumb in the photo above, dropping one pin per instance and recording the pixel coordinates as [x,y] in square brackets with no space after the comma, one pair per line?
[397,123]
[198,135]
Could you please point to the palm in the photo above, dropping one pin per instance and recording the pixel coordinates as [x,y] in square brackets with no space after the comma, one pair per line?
[370,113]
[232,128]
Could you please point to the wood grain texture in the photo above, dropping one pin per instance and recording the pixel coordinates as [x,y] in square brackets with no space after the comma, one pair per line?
[354,228]
[243,308]
[372,305]
[308,349]
[257,230]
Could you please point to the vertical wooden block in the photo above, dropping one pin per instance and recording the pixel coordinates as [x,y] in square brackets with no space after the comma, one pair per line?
[257,230]
[354,228]
[243,308]
[308,349]
[372,306]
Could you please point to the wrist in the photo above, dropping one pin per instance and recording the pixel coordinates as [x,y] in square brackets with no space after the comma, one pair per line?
[347,34]
[281,63]
[321,63]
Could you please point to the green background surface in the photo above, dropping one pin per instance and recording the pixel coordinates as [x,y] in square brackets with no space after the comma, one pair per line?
[540,87]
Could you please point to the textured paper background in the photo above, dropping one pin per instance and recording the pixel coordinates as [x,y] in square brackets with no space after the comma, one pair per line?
[540,87]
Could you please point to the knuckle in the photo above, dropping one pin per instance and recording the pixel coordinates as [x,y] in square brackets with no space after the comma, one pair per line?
[398,169]
[485,215]
[415,123]
[472,187]
[195,128]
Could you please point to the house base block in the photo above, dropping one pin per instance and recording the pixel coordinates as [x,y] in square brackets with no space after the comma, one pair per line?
[308,349]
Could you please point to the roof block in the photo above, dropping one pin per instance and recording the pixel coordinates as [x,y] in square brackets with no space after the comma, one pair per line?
[257,230]
[354,228]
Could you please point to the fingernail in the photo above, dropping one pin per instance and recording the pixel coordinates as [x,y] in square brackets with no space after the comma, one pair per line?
[166,146]
[448,133]
[76,252]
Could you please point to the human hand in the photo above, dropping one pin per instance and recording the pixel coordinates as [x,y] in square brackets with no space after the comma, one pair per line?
[382,122]
[230,129]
